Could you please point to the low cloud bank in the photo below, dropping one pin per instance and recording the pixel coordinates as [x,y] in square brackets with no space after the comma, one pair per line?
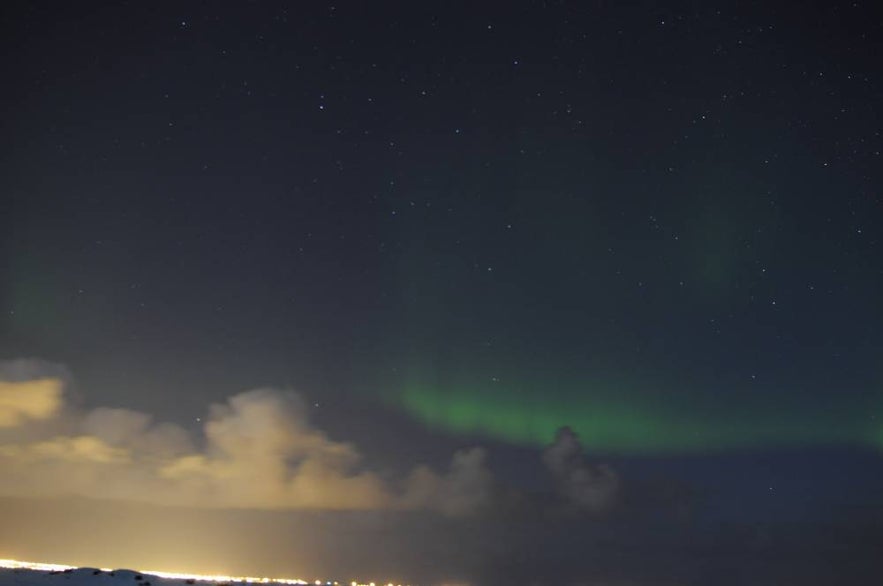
[259,451]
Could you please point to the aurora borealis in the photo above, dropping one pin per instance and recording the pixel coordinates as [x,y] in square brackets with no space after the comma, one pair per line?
[559,292]
[611,425]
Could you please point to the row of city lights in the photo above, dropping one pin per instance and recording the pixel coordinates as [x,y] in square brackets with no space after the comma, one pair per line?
[42,567]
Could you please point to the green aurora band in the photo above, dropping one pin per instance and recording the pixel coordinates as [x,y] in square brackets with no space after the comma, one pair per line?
[643,426]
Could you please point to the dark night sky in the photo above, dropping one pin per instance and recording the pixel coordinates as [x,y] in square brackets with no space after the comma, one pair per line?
[455,225]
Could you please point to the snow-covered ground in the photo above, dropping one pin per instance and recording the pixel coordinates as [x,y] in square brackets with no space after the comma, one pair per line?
[16,573]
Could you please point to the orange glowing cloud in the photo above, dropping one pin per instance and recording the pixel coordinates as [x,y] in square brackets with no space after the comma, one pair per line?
[29,400]
[260,451]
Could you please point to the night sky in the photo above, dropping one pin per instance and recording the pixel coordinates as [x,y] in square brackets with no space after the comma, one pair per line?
[432,236]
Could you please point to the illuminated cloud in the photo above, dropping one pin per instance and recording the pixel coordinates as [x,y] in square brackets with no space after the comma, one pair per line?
[465,489]
[82,449]
[29,400]
[135,431]
[260,452]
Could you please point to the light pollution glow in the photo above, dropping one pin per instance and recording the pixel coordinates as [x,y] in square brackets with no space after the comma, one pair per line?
[46,567]
[642,425]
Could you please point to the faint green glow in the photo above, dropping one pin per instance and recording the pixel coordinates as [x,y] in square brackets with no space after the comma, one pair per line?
[618,425]
[875,437]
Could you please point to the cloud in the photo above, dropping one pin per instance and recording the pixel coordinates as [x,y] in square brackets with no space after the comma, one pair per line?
[587,487]
[31,391]
[29,400]
[466,488]
[259,451]
[262,453]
